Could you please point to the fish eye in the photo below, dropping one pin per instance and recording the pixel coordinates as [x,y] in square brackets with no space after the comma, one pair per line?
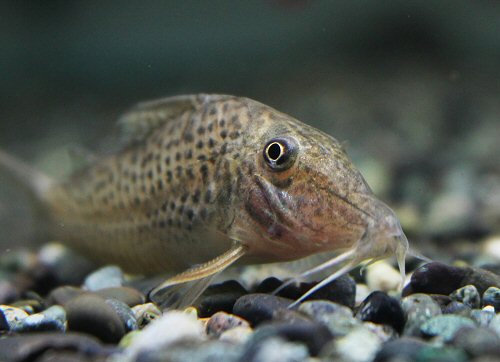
[280,153]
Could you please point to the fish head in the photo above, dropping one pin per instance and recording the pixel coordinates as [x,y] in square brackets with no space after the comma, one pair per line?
[301,194]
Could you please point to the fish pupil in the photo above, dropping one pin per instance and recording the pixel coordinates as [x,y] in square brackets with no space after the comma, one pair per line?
[275,151]
[280,153]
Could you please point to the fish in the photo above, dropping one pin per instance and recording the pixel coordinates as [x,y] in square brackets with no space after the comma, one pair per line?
[203,181]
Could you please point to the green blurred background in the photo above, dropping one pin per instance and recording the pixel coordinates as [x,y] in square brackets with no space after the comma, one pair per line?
[412,87]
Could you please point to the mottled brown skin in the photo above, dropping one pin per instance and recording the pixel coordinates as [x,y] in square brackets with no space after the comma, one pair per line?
[182,192]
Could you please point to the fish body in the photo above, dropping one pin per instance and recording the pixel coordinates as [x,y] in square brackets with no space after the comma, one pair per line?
[200,174]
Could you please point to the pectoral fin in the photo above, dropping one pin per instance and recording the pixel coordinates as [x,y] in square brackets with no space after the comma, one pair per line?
[182,289]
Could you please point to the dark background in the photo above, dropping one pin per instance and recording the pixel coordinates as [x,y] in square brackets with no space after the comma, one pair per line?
[412,87]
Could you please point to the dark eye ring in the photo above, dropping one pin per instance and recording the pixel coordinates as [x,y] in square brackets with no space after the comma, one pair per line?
[280,153]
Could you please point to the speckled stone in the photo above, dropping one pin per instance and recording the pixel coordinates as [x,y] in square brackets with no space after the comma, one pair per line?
[237,335]
[13,316]
[219,297]
[4,325]
[457,308]
[146,313]
[445,326]
[418,308]
[257,308]
[482,317]
[222,321]
[359,345]
[91,314]
[380,308]
[491,296]
[106,277]
[467,295]
[51,319]
[125,313]
[338,318]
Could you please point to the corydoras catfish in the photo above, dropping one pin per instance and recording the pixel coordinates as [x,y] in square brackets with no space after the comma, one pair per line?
[205,180]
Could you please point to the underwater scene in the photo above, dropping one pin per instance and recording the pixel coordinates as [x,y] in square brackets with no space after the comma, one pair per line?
[264,180]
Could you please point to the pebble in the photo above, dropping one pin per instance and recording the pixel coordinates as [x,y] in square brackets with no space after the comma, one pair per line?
[257,307]
[457,308]
[146,313]
[467,295]
[125,313]
[106,277]
[219,297]
[172,327]
[30,306]
[63,295]
[237,335]
[338,318]
[491,247]
[439,278]
[269,285]
[221,322]
[68,267]
[380,308]
[495,324]
[418,308]
[208,351]
[51,319]
[404,349]
[359,345]
[482,317]
[491,296]
[14,316]
[35,347]
[274,349]
[4,325]
[445,326]
[298,329]
[91,314]
[477,341]
[342,291]
[383,277]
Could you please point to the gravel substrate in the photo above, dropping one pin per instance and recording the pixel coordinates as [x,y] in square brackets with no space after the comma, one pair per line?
[446,313]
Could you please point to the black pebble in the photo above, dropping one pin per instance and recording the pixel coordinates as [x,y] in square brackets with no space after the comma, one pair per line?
[341,291]
[127,295]
[31,347]
[439,278]
[63,295]
[91,314]
[257,308]
[402,349]
[269,285]
[380,308]
[219,298]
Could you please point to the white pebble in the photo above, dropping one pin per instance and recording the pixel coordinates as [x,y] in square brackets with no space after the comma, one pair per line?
[382,276]
[491,247]
[360,345]
[171,327]
[237,335]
